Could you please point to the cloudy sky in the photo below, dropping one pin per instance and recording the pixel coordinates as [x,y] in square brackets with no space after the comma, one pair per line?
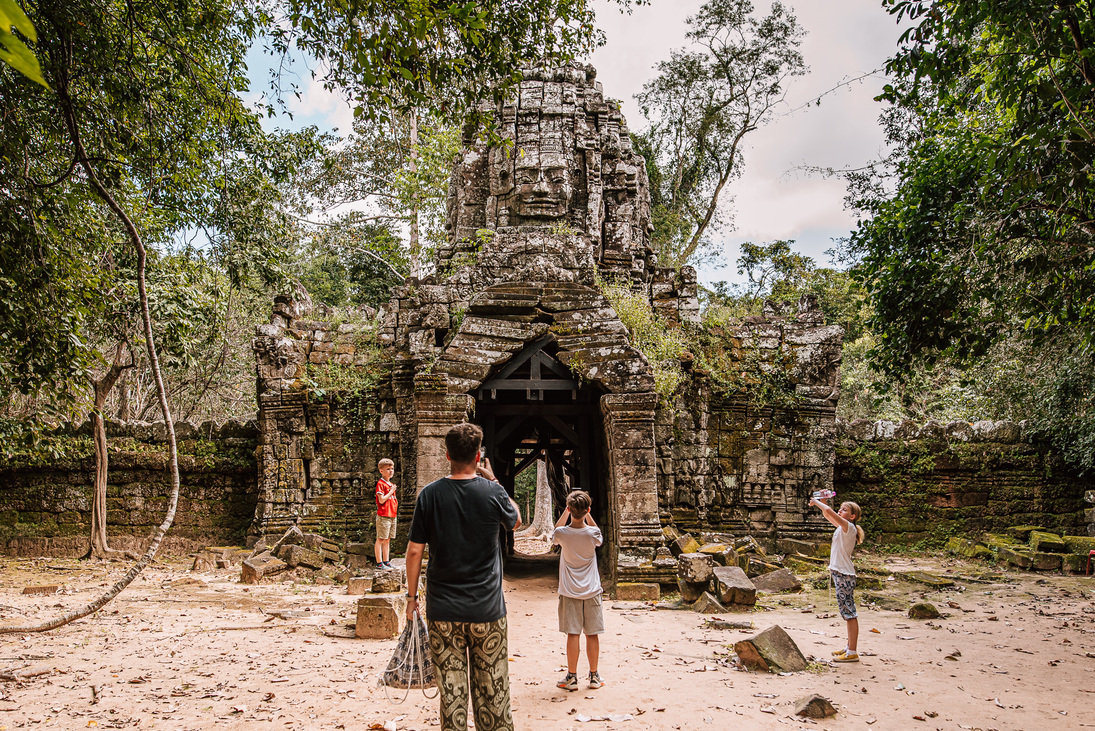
[777,197]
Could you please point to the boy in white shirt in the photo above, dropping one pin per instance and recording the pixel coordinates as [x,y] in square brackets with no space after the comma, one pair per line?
[579,587]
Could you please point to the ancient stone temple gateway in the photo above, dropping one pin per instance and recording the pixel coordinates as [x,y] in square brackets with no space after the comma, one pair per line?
[513,333]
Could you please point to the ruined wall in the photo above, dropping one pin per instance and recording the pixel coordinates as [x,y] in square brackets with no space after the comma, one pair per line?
[45,505]
[925,483]
[744,457]
[327,415]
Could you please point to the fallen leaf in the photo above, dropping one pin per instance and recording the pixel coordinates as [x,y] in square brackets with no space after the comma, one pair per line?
[877,632]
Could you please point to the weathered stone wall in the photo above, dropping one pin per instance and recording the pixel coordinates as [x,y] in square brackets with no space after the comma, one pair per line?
[925,483]
[45,505]
[729,462]
[318,447]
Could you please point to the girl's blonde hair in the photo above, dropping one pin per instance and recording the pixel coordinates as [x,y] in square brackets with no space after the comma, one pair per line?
[856,512]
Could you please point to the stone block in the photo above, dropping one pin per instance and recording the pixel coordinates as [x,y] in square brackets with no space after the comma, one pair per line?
[695,567]
[1016,557]
[684,544]
[923,610]
[772,650]
[968,548]
[1074,563]
[387,581]
[359,549]
[300,556]
[691,591]
[380,617]
[708,604]
[1046,561]
[793,545]
[334,572]
[629,591]
[358,561]
[1079,544]
[923,577]
[670,534]
[814,706]
[722,554]
[1022,532]
[1041,542]
[777,581]
[756,566]
[733,587]
[663,558]
[312,541]
[256,568]
[359,585]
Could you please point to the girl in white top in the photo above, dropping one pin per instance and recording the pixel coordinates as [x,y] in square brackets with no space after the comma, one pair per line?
[845,538]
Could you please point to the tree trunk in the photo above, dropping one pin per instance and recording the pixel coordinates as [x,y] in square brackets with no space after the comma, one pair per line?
[416,251]
[543,518]
[102,387]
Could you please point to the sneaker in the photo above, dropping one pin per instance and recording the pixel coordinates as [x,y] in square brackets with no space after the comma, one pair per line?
[848,656]
[595,680]
[569,682]
[842,651]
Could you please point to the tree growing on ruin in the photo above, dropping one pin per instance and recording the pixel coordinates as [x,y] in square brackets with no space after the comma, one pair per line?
[702,104]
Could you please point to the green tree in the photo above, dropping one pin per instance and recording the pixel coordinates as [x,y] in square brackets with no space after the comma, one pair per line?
[131,145]
[701,106]
[13,51]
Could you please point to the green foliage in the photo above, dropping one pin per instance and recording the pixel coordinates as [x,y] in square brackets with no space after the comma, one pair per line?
[395,55]
[701,105]
[660,344]
[13,51]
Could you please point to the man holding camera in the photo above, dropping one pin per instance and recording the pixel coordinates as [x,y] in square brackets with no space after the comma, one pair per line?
[459,517]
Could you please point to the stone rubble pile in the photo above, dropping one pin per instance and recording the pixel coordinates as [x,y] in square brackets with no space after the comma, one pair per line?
[1029,547]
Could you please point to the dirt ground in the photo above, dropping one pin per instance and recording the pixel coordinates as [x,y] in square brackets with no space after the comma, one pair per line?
[180,650]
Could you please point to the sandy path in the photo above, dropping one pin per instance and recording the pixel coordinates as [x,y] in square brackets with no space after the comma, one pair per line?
[198,651]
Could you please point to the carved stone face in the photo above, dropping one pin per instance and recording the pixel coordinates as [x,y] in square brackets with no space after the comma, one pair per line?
[542,186]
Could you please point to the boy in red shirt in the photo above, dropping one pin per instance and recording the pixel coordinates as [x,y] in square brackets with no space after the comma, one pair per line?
[386,506]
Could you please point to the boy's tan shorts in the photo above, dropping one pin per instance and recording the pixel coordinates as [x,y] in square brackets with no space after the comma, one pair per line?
[577,616]
[385,528]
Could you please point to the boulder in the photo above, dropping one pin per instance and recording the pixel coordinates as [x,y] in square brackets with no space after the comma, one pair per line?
[708,604]
[691,591]
[380,617]
[923,610]
[634,591]
[732,586]
[777,581]
[695,567]
[814,706]
[772,650]
[256,568]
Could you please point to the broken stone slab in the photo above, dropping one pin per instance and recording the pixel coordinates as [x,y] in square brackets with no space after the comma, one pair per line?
[1022,532]
[814,706]
[695,567]
[708,604]
[380,617]
[1041,542]
[313,541]
[359,585]
[732,586]
[772,650]
[923,610]
[757,566]
[387,581]
[793,545]
[805,563]
[691,591]
[297,555]
[1079,544]
[663,558]
[204,561]
[334,572]
[969,549]
[670,534]
[358,561]
[777,581]
[923,577]
[684,544]
[722,554]
[256,568]
[631,606]
[50,589]
[636,591]
[720,623]
[359,549]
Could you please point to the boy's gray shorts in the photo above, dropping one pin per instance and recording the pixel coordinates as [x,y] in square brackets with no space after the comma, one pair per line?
[577,616]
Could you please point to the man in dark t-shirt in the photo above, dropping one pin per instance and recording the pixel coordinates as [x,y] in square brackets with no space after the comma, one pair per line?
[459,517]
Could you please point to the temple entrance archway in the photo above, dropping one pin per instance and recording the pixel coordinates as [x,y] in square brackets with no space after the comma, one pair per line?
[532,409]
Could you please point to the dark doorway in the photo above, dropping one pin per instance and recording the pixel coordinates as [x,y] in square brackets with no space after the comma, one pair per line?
[533,408]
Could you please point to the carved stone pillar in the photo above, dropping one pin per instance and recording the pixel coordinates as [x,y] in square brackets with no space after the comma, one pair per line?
[437,411]
[633,481]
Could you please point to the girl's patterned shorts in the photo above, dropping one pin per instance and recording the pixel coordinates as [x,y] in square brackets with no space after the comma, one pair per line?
[845,589]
